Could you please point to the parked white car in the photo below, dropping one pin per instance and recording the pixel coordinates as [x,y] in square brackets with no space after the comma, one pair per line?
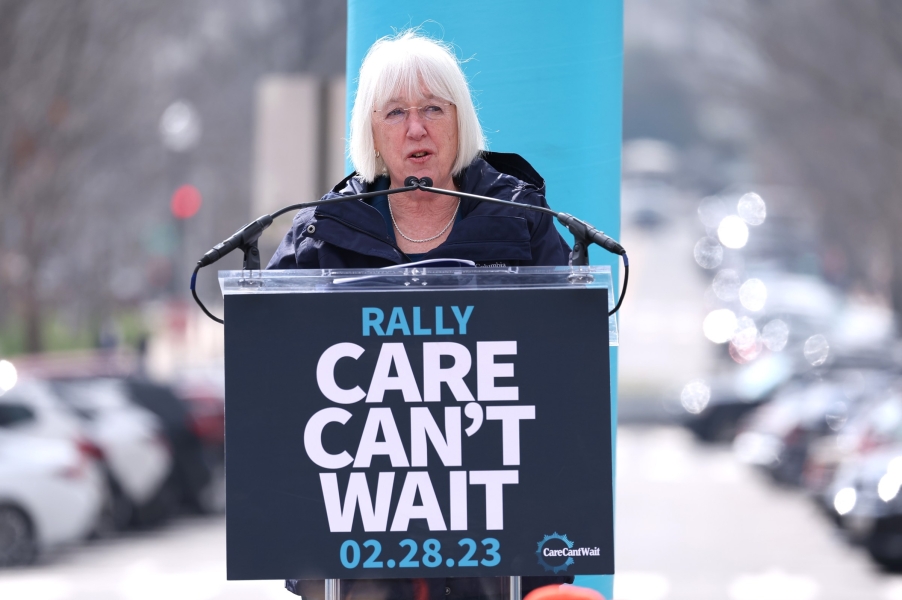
[52,489]
[131,440]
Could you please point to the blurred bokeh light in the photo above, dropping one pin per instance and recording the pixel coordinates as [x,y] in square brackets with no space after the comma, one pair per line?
[733,232]
[186,201]
[8,376]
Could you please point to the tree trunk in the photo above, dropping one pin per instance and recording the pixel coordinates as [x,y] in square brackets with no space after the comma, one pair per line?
[34,324]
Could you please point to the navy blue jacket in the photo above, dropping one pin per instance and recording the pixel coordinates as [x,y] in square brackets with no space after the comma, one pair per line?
[354,234]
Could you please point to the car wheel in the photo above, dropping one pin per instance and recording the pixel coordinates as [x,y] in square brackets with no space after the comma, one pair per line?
[116,514]
[17,541]
[122,511]
[719,428]
[161,507]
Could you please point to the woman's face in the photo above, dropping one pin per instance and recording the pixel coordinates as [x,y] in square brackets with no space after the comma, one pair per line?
[417,145]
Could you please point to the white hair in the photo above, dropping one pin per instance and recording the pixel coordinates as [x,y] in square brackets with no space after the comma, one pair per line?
[410,61]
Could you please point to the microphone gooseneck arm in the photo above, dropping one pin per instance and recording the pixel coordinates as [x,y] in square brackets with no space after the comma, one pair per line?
[246,237]
[584,234]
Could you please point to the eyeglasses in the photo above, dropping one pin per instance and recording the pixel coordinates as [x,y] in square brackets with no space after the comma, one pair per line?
[430,112]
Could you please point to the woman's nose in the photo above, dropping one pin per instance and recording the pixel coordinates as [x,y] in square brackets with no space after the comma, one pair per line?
[416,126]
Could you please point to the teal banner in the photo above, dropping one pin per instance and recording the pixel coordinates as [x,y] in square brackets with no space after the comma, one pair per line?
[547,80]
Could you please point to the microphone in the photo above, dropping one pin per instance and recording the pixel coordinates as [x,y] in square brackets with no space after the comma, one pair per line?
[418,183]
[581,229]
[246,237]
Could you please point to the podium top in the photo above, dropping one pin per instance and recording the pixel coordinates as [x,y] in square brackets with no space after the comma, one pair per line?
[420,279]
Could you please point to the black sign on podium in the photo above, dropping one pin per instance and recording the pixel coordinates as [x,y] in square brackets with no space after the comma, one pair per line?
[418,423]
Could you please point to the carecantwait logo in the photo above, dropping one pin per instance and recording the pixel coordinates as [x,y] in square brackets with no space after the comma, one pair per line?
[556,552]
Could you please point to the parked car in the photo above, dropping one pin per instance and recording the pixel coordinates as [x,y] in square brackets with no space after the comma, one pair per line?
[875,427]
[32,406]
[195,425]
[779,436]
[737,394]
[193,428]
[133,447]
[206,409]
[868,504]
[734,397]
[52,488]
[871,424]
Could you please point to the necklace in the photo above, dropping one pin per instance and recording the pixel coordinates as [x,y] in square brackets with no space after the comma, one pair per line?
[436,236]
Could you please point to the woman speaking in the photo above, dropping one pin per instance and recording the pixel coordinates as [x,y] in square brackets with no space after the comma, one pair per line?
[413,116]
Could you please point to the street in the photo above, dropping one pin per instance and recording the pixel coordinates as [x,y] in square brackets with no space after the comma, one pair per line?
[692,524]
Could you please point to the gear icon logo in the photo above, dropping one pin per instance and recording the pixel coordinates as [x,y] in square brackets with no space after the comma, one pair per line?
[541,553]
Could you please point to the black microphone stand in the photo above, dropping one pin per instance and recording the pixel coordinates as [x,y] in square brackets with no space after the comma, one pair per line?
[246,238]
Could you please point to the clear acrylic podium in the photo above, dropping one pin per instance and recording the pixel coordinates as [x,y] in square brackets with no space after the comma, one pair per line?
[420,278]
[520,359]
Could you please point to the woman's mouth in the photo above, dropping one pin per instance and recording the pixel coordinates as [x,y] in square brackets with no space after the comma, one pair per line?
[419,155]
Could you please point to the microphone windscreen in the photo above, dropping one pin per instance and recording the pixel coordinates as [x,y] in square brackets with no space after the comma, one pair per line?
[411,181]
[426,182]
